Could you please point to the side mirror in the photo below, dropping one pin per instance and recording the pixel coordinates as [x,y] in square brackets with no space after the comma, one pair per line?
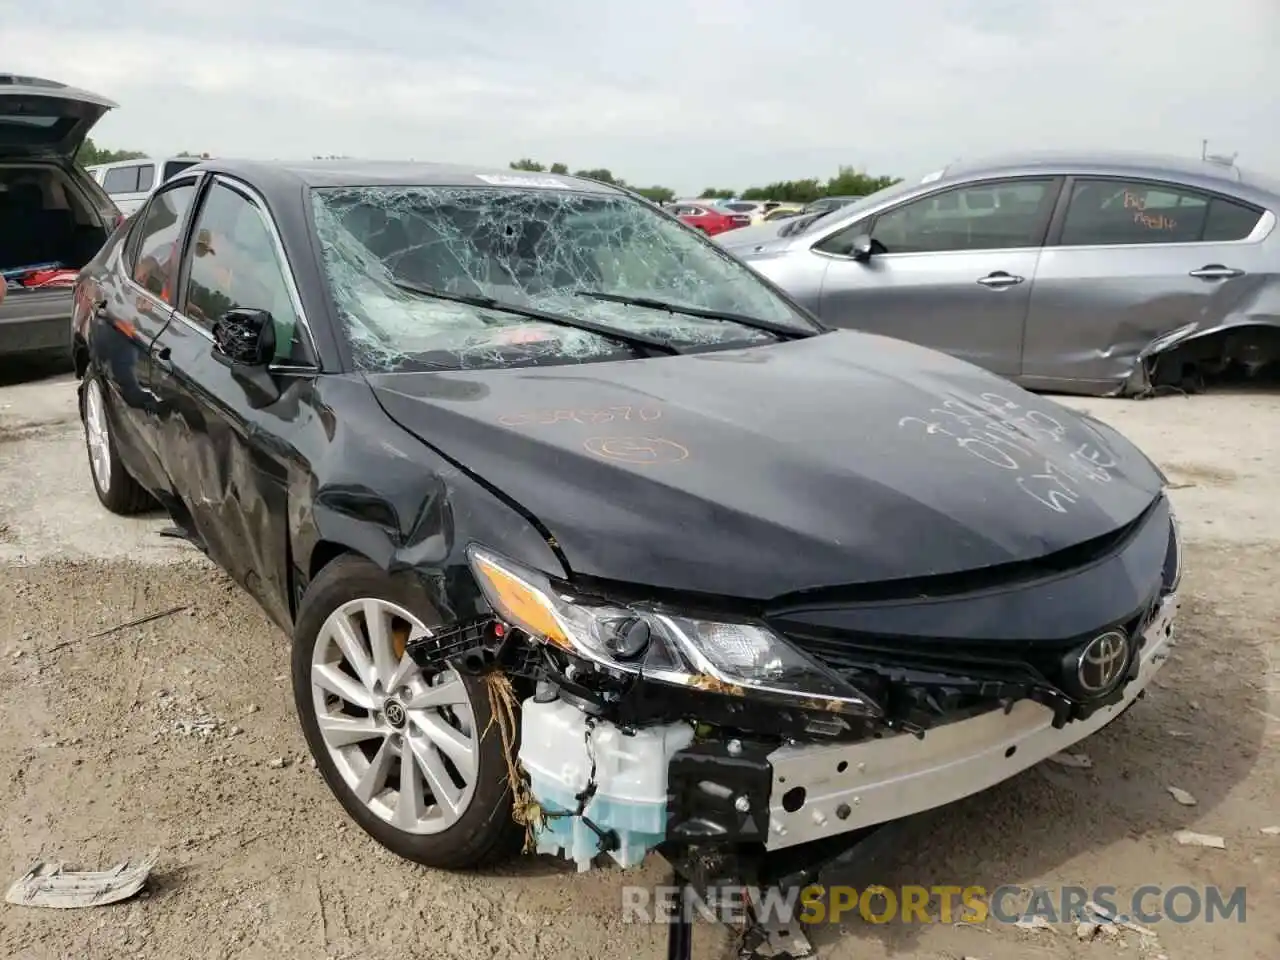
[245,341]
[861,247]
[244,338]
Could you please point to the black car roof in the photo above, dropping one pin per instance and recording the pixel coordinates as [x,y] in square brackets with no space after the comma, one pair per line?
[271,176]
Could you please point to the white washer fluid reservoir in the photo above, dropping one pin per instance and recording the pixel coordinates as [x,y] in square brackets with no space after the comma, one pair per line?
[559,745]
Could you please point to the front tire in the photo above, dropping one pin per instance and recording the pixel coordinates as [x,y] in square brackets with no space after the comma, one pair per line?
[114,485]
[411,757]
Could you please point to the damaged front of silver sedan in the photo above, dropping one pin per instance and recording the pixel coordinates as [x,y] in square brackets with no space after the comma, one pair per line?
[586,535]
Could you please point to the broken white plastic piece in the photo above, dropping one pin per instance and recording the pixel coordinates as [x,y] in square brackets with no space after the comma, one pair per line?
[1189,838]
[1182,796]
[50,884]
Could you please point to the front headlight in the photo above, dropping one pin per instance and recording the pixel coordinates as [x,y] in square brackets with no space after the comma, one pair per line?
[663,644]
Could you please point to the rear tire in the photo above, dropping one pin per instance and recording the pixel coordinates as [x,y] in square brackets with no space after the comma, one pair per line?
[457,813]
[116,488]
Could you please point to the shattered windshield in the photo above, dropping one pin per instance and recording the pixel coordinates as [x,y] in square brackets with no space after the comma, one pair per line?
[558,251]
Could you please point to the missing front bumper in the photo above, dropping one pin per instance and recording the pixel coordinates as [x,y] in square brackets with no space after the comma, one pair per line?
[625,791]
[823,790]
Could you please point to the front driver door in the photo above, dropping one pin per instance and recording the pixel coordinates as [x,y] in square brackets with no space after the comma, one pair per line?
[952,270]
[229,452]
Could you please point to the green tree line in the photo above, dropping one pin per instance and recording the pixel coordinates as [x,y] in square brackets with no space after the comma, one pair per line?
[848,181]
[91,154]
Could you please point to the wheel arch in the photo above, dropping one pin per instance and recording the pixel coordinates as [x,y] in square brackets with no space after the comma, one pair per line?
[80,355]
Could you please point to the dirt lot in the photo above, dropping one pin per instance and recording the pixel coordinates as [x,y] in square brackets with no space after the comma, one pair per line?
[180,735]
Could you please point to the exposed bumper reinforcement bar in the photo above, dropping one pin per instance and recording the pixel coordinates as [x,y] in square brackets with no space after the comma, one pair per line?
[820,791]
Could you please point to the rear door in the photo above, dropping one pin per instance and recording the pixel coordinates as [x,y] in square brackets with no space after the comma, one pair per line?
[136,301]
[223,448]
[952,270]
[1129,260]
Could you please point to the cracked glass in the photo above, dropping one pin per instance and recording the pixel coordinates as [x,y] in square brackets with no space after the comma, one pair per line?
[540,248]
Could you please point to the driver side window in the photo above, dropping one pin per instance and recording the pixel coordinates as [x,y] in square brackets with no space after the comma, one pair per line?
[992,215]
[234,264]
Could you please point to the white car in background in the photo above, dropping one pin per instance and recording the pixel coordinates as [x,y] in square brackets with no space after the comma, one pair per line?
[130,182]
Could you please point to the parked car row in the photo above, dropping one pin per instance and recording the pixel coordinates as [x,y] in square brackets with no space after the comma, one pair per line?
[1077,274]
[717,216]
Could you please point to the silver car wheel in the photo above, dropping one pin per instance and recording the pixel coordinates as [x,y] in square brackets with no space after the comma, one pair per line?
[403,743]
[97,433]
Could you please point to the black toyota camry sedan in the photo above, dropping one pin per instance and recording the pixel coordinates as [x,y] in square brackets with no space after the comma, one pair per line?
[581,529]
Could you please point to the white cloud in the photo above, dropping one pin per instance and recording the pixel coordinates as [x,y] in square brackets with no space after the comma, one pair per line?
[682,92]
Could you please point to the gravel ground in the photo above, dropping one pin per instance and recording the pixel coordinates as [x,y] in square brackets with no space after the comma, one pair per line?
[180,734]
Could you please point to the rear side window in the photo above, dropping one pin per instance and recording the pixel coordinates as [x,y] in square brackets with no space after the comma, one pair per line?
[1113,212]
[177,166]
[160,232]
[121,180]
[146,177]
[1229,221]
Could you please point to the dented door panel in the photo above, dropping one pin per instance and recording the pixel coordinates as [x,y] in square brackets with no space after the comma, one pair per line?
[227,461]
[1095,310]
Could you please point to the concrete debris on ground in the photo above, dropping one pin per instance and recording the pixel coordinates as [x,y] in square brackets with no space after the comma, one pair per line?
[1189,838]
[197,726]
[1112,925]
[1034,923]
[51,884]
[1271,831]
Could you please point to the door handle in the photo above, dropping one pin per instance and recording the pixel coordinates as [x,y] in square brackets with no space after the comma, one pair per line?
[999,279]
[1216,271]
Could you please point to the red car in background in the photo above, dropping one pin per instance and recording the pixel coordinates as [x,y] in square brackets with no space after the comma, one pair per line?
[704,217]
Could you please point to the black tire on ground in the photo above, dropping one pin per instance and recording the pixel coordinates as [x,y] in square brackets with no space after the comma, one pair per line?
[486,832]
[123,495]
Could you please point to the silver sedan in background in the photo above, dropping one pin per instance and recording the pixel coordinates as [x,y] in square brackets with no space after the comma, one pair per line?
[1103,275]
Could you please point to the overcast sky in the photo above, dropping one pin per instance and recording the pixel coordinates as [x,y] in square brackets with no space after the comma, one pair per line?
[686,93]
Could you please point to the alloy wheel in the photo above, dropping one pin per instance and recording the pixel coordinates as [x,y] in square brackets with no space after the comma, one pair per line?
[404,743]
[96,432]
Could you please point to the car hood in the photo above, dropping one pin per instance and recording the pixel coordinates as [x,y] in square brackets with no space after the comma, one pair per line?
[843,458]
[746,238]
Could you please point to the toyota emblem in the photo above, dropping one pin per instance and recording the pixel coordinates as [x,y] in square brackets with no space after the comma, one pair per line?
[1102,662]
